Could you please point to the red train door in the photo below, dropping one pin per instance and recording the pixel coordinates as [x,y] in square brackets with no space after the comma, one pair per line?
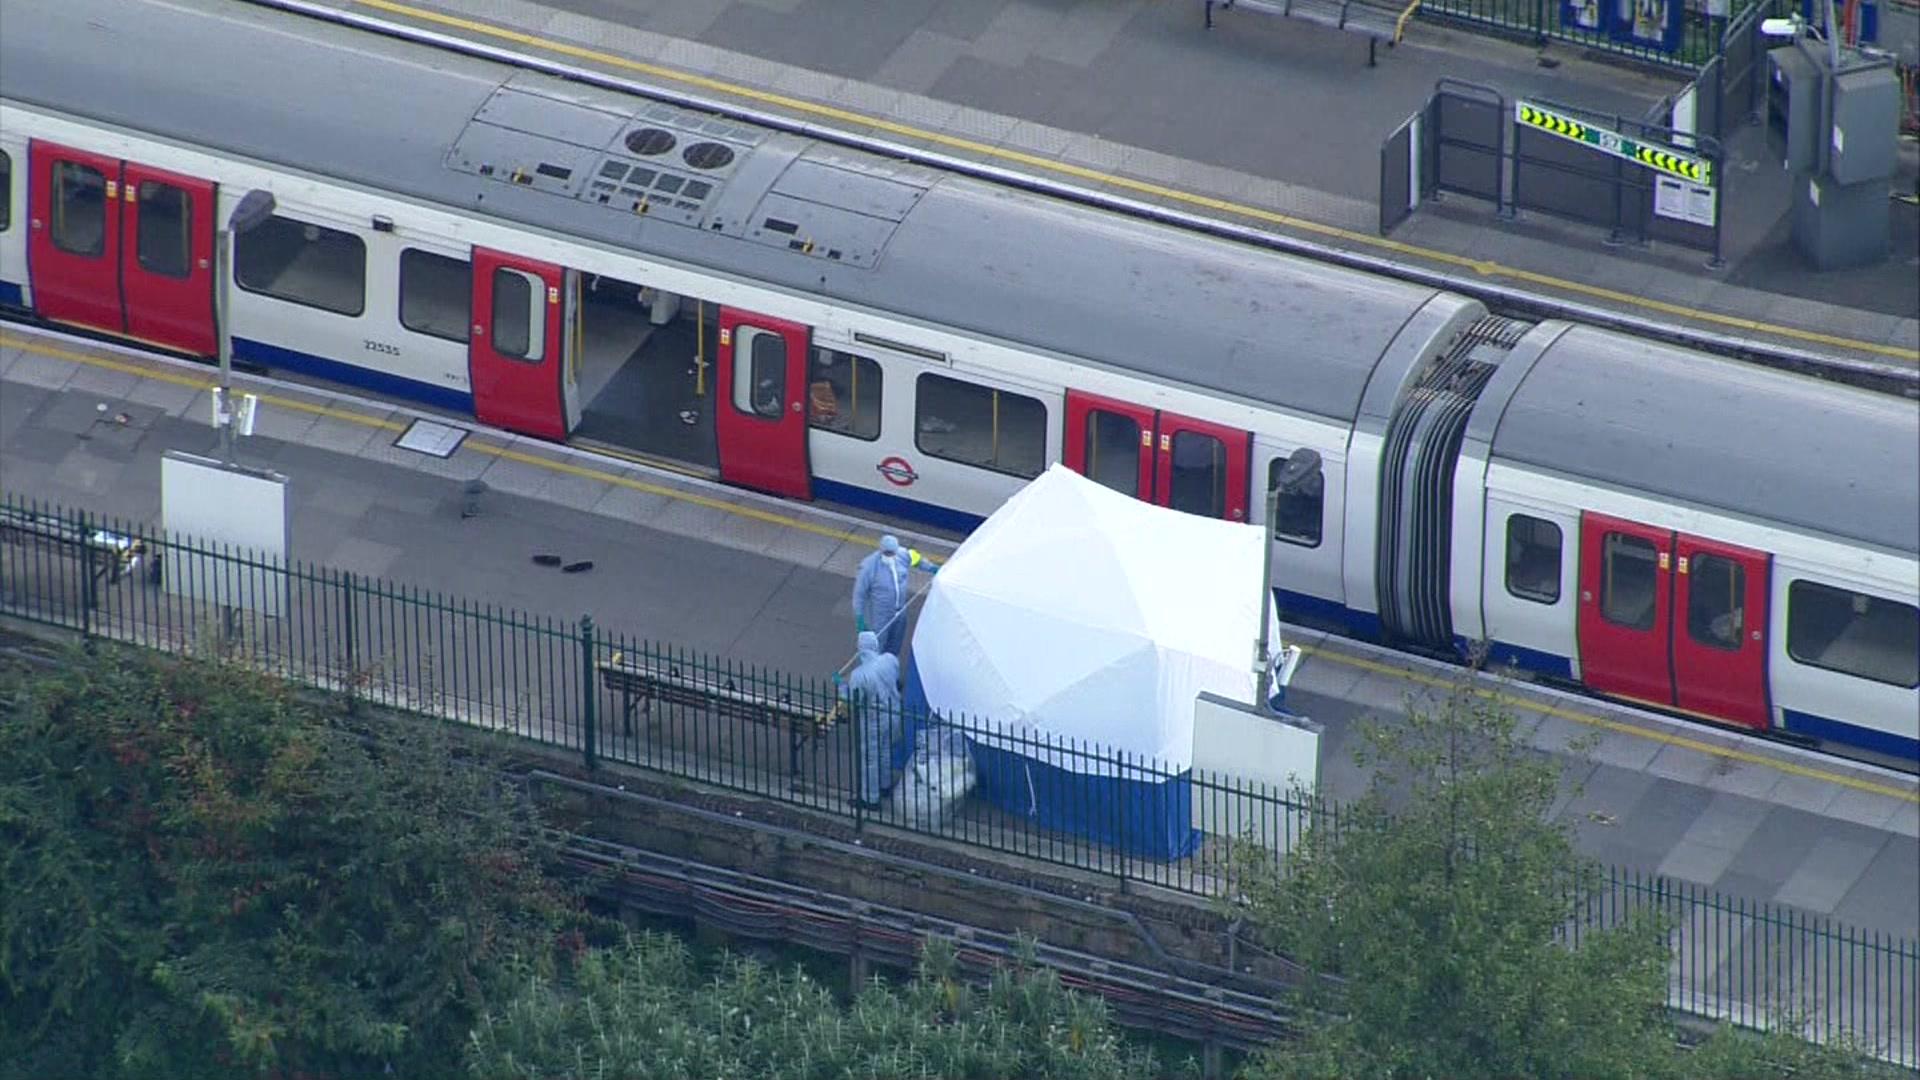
[1110,442]
[73,246]
[1720,631]
[122,247]
[760,416]
[514,349]
[166,266]
[1202,468]
[1626,599]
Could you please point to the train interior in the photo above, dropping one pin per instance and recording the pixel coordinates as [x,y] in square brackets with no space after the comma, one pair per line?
[645,359]
[312,264]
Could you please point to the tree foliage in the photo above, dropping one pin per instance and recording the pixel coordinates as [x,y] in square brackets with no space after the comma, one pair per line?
[1437,903]
[647,1011]
[1433,920]
[207,875]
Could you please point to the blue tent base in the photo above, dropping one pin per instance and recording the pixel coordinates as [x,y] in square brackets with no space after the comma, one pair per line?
[1149,818]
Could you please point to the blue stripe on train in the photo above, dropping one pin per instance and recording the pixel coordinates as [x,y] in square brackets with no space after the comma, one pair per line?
[11,295]
[894,505]
[380,382]
[1829,730]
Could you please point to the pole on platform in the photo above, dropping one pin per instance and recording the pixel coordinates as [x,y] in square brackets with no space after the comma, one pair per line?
[254,207]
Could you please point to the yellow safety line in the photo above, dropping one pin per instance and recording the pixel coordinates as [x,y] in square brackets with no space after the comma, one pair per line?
[141,371]
[1483,267]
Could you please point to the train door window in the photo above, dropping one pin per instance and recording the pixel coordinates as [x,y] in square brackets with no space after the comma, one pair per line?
[79,209]
[1853,633]
[980,426]
[436,294]
[164,244]
[1533,559]
[843,394]
[303,263]
[759,371]
[1297,513]
[1716,601]
[1112,453]
[6,191]
[1630,581]
[1199,475]
[519,316]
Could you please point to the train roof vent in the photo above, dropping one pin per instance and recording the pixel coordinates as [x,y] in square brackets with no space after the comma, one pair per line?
[827,211]
[515,157]
[646,187]
[573,122]
[657,160]
[649,141]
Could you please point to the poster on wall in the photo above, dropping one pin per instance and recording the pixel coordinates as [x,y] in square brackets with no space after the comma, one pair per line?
[1652,24]
[1589,15]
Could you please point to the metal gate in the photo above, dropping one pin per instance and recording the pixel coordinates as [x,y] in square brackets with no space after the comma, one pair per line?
[1457,143]
[1631,178]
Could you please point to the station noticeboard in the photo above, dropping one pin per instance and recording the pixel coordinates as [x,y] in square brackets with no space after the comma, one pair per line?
[1651,24]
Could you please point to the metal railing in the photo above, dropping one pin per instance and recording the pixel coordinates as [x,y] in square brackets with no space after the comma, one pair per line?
[1541,21]
[730,725]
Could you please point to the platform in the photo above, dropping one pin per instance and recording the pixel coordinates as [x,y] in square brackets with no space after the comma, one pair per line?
[766,582]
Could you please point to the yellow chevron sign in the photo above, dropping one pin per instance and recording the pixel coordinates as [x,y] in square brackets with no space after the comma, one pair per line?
[1658,157]
[1552,123]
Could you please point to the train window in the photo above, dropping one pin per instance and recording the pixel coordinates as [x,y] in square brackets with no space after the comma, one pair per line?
[1112,451]
[519,317]
[436,294]
[1533,559]
[1297,513]
[6,191]
[303,263]
[843,394]
[164,241]
[1853,633]
[79,209]
[1199,475]
[1716,601]
[759,372]
[978,425]
[1630,580]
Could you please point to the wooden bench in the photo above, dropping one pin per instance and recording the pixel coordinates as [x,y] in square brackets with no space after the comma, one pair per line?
[1379,20]
[640,683]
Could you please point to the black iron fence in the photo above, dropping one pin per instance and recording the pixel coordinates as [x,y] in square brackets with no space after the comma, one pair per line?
[779,736]
[1678,33]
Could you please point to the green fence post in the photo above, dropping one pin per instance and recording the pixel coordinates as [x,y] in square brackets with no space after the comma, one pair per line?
[589,736]
[87,592]
[350,674]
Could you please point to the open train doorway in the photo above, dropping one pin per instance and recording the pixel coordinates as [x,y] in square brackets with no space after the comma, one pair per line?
[643,370]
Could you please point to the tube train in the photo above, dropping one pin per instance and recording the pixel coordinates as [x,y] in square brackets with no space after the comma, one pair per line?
[790,315]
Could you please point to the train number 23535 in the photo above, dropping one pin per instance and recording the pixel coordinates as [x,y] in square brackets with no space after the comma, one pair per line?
[381,347]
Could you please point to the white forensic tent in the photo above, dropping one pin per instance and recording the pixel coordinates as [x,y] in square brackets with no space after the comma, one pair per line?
[1076,614]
